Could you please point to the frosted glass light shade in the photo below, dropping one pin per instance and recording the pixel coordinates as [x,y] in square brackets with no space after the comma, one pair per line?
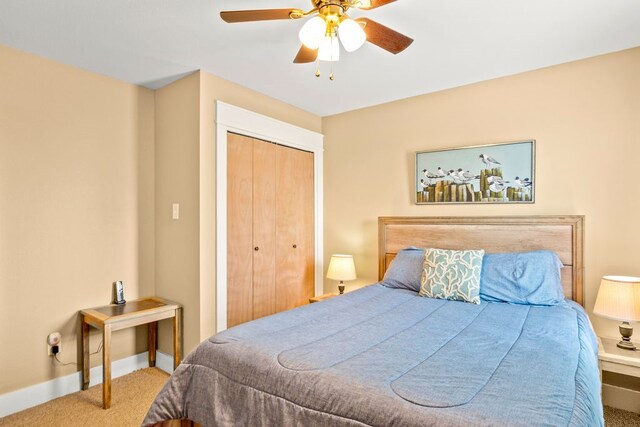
[341,267]
[351,35]
[312,32]
[329,49]
[619,298]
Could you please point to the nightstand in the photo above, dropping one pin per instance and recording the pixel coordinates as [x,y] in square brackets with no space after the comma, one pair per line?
[618,360]
[113,317]
[322,297]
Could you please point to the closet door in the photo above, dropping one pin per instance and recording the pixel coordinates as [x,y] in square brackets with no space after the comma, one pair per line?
[240,247]
[295,246]
[264,228]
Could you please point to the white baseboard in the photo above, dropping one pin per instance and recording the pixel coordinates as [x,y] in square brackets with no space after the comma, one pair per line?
[164,361]
[27,397]
[621,398]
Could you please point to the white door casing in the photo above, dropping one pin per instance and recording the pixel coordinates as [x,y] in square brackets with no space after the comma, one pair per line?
[233,119]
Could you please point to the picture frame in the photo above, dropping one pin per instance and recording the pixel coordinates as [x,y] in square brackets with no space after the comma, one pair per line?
[501,173]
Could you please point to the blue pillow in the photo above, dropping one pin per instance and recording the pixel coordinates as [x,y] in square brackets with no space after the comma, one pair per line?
[531,278]
[405,270]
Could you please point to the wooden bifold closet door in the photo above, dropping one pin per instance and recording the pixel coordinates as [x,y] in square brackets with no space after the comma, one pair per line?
[270,228]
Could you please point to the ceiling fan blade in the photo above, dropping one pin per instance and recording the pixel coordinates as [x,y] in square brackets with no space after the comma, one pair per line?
[257,15]
[305,55]
[388,39]
[376,3]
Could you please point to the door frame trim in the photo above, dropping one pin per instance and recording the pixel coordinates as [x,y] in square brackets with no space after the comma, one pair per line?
[230,118]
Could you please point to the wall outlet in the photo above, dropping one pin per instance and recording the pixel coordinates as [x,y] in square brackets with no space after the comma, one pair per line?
[54,339]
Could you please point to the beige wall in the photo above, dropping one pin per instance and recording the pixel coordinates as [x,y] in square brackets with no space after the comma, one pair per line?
[177,181]
[585,117]
[76,208]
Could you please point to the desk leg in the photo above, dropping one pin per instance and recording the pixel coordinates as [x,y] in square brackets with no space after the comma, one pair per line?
[86,362]
[153,343]
[106,367]
[177,338]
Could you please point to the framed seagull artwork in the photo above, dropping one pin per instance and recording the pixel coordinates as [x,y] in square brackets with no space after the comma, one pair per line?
[493,173]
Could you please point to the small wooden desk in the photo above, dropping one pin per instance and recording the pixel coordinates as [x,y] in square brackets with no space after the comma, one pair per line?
[113,317]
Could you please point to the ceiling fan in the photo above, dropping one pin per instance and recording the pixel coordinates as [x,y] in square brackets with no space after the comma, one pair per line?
[320,34]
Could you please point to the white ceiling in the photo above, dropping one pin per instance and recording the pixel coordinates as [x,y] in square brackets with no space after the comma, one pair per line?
[153,42]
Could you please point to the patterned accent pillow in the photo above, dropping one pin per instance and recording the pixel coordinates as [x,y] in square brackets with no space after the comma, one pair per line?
[452,275]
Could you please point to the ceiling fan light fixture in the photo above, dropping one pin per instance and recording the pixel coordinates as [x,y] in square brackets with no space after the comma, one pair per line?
[351,35]
[312,32]
[327,27]
[329,49]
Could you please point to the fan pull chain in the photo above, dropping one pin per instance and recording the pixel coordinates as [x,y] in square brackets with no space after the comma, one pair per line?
[331,75]
[333,40]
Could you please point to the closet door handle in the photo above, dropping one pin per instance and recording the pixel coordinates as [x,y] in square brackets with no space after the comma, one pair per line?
[295,246]
[256,249]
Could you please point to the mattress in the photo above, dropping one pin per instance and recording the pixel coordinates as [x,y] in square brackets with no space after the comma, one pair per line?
[387,357]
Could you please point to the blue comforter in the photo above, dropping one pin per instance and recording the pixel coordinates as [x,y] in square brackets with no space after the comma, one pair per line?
[383,357]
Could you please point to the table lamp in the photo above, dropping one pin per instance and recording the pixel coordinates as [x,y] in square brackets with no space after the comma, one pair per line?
[341,268]
[619,299]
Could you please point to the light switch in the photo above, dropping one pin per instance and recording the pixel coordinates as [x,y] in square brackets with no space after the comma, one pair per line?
[176,211]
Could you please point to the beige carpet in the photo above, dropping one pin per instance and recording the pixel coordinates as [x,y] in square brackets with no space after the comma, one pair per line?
[619,418]
[132,395]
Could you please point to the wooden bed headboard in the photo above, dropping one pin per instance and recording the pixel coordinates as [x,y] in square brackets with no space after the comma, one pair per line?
[563,235]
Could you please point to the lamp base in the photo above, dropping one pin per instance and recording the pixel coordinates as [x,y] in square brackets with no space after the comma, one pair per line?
[341,288]
[626,330]
[627,345]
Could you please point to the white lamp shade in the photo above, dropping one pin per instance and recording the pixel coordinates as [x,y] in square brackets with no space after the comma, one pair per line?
[329,49]
[351,35]
[619,298]
[312,32]
[341,268]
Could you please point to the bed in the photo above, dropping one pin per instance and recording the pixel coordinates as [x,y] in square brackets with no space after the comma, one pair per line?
[384,357]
